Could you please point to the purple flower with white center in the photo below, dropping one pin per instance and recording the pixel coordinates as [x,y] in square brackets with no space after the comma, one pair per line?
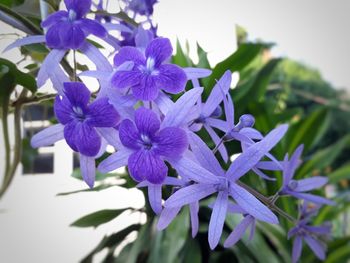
[149,74]
[210,178]
[312,235]
[81,118]
[297,188]
[150,145]
[69,29]
[82,125]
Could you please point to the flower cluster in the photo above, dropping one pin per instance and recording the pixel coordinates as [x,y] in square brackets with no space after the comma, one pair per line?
[133,112]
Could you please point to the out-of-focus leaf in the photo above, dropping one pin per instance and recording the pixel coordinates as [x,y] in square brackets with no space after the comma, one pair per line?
[191,252]
[324,157]
[28,153]
[236,62]
[339,174]
[203,61]
[19,77]
[169,242]
[341,254]
[98,218]
[99,176]
[309,130]
[329,213]
[111,242]
[12,3]
[180,58]
[87,190]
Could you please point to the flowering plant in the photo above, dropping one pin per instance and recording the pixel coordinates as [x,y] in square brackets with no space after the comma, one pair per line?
[193,157]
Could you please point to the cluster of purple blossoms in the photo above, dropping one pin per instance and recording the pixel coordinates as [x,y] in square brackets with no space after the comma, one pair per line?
[133,112]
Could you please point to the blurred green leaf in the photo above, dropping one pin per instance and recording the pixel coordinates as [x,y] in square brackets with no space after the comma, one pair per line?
[99,176]
[340,174]
[180,58]
[236,62]
[341,254]
[87,190]
[98,218]
[191,252]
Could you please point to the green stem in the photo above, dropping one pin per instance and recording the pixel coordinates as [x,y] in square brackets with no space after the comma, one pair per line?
[267,202]
[17,147]
[4,118]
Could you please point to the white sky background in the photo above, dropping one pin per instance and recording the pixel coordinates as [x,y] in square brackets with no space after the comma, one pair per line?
[315,32]
[34,222]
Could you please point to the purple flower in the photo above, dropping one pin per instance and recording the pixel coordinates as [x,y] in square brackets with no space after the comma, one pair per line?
[141,7]
[297,188]
[149,74]
[150,145]
[210,178]
[81,118]
[312,235]
[69,29]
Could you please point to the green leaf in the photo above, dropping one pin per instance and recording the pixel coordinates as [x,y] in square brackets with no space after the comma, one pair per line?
[88,190]
[340,174]
[98,218]
[180,58]
[324,157]
[309,130]
[99,176]
[110,242]
[341,254]
[191,252]
[236,62]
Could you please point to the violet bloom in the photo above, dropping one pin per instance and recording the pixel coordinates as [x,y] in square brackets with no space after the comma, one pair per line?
[297,188]
[141,7]
[149,74]
[69,29]
[81,124]
[312,235]
[210,178]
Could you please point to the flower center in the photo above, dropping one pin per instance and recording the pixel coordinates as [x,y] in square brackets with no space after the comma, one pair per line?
[149,67]
[78,113]
[72,15]
[293,184]
[223,185]
[146,142]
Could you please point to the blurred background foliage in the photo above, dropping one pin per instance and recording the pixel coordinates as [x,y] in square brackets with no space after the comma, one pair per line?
[274,90]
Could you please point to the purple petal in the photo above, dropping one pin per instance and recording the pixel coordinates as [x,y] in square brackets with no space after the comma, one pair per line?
[155,197]
[167,216]
[81,7]
[52,36]
[323,229]
[216,139]
[146,121]
[95,55]
[251,133]
[217,219]
[54,18]
[92,27]
[229,111]
[102,114]
[177,115]
[117,27]
[129,54]
[191,170]
[145,165]
[316,247]
[159,50]
[50,63]
[58,77]
[249,158]
[312,198]
[310,183]
[234,208]
[194,208]
[63,110]
[238,231]
[77,94]
[147,88]
[171,142]
[164,103]
[87,168]
[171,78]
[216,95]
[25,41]
[252,205]
[111,135]
[196,73]
[297,247]
[48,136]
[143,37]
[252,230]
[71,35]
[128,134]
[292,165]
[126,79]
[204,155]
[268,165]
[216,123]
[82,138]
[189,194]
[115,161]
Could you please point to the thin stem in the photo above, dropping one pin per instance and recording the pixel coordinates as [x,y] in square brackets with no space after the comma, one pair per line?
[6,139]
[219,144]
[33,100]
[74,66]
[267,201]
